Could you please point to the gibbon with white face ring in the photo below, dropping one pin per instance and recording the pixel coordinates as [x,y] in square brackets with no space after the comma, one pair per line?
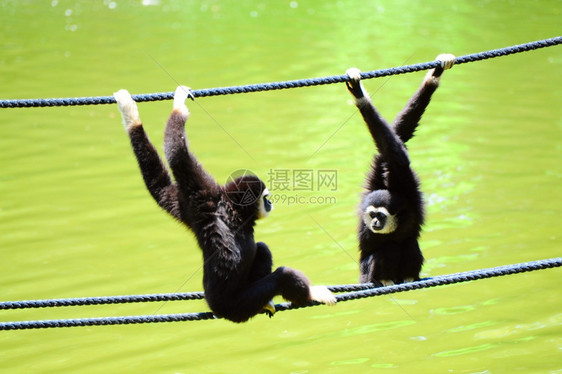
[237,271]
[392,208]
[379,220]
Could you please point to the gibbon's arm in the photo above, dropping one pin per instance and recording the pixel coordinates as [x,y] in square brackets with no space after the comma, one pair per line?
[388,144]
[407,120]
[154,173]
[188,173]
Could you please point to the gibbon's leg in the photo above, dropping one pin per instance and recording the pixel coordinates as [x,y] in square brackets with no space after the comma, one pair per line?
[155,175]
[367,269]
[187,172]
[289,283]
[411,260]
[407,120]
[295,287]
[261,267]
[263,263]
[387,265]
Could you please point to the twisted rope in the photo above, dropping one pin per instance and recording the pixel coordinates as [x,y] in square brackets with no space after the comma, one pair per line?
[352,292]
[97,100]
[462,277]
[101,300]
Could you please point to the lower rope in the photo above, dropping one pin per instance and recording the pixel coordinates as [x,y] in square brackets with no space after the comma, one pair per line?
[353,292]
[97,100]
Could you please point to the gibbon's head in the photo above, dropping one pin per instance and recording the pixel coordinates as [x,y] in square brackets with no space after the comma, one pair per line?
[249,196]
[380,212]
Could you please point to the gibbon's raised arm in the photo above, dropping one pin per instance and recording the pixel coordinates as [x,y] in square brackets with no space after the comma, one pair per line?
[154,172]
[407,120]
[388,144]
[188,173]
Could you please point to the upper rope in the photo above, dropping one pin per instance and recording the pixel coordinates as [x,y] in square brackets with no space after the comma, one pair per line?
[96,100]
[351,292]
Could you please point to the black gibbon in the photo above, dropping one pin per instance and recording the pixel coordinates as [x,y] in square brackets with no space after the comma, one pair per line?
[237,272]
[392,207]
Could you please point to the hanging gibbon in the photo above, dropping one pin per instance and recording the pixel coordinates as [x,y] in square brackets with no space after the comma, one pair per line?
[237,271]
[392,207]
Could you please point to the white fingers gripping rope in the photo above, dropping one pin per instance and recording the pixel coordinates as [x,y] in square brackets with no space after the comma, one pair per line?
[180,96]
[128,108]
[447,60]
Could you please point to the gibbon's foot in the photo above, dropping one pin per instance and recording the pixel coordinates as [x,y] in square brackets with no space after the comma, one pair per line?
[128,109]
[354,84]
[386,282]
[180,96]
[269,309]
[408,280]
[322,295]
[447,61]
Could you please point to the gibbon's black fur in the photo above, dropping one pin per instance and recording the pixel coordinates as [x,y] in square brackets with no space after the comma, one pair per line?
[392,207]
[237,272]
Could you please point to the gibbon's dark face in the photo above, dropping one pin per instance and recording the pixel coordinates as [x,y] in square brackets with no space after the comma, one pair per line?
[249,194]
[379,211]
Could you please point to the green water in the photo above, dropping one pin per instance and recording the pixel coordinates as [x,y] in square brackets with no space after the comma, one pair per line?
[76,220]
